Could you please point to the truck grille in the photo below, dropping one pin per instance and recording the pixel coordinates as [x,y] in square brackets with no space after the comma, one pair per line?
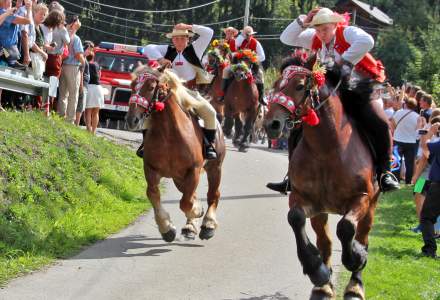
[121,95]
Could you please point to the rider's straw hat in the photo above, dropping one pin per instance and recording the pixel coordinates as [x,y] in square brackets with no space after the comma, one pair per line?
[230,28]
[324,16]
[179,32]
[248,30]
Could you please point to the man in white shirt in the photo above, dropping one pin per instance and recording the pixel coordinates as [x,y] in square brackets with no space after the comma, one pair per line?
[246,40]
[185,60]
[183,57]
[326,33]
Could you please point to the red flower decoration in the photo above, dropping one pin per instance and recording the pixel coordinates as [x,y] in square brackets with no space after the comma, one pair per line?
[319,78]
[159,106]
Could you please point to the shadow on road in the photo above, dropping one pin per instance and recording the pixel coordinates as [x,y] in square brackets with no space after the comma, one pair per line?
[130,246]
[276,296]
[238,197]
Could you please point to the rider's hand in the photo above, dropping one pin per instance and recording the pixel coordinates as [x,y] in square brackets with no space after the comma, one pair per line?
[183,26]
[310,16]
[164,62]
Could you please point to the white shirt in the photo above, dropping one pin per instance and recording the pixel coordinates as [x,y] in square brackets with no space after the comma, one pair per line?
[406,130]
[180,65]
[260,51]
[389,112]
[360,42]
[47,33]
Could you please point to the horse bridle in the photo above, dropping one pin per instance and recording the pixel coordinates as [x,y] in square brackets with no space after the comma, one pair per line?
[158,94]
[311,93]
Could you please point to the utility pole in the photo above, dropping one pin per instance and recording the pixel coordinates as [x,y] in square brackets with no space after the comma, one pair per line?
[246,13]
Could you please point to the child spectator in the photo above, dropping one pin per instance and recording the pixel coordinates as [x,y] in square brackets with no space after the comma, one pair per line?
[95,96]
[421,172]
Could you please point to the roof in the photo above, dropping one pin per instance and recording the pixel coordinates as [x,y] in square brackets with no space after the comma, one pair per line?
[373,11]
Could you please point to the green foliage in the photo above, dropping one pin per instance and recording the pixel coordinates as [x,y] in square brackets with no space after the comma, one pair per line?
[395,269]
[409,49]
[61,188]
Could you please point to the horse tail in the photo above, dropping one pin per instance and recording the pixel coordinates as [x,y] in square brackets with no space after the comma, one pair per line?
[179,90]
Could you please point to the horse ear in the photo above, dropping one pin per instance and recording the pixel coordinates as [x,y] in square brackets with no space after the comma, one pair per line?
[311,61]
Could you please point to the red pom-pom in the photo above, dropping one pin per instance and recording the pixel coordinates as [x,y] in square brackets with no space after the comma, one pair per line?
[311,118]
[153,64]
[250,78]
[319,78]
[159,106]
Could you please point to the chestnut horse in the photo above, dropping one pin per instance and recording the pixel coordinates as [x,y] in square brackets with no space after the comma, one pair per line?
[173,148]
[331,172]
[241,99]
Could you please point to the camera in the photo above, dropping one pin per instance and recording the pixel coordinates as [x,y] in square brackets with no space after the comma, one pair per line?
[422,131]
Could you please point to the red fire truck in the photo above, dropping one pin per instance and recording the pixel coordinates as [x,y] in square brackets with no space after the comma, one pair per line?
[117,62]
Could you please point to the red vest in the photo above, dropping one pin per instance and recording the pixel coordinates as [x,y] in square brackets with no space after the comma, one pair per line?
[251,44]
[232,46]
[367,66]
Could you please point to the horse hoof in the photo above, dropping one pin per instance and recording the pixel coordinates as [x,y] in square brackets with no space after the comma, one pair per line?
[326,292]
[188,234]
[206,233]
[169,236]
[321,276]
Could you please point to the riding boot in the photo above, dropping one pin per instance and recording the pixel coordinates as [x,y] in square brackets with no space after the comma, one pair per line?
[375,124]
[209,140]
[282,187]
[140,150]
[225,84]
[260,87]
[387,181]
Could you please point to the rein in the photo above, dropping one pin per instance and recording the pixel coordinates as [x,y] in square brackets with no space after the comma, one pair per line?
[311,94]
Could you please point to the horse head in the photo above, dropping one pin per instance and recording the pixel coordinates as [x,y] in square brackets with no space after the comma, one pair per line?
[215,60]
[146,92]
[294,96]
[241,71]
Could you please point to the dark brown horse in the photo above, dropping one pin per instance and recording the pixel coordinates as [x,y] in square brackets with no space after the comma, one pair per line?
[331,172]
[173,148]
[216,65]
[241,99]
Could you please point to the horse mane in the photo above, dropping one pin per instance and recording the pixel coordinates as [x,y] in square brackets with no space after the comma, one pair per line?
[181,93]
[144,69]
[360,93]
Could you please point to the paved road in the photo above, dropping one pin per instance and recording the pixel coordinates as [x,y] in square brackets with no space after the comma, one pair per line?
[252,256]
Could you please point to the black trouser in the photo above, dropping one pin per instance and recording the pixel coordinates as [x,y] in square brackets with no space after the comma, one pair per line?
[407,151]
[374,122]
[428,217]
[294,138]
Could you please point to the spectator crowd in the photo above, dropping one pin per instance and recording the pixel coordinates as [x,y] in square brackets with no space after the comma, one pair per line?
[38,39]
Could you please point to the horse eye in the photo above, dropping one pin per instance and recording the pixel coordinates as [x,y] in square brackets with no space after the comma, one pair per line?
[150,88]
[300,87]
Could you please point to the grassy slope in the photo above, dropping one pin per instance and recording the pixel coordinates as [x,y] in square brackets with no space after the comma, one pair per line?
[60,189]
[395,270]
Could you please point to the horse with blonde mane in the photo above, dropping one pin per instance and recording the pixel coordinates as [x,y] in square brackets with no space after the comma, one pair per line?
[174,149]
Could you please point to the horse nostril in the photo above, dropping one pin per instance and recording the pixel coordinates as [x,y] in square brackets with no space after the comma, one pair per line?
[276,125]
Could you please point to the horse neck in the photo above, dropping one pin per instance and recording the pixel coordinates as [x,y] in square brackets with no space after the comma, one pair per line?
[325,137]
[170,122]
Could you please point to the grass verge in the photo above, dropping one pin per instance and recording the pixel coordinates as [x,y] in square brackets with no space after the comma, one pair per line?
[395,269]
[60,189]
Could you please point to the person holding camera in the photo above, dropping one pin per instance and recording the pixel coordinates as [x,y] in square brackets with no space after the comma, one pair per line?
[431,206]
